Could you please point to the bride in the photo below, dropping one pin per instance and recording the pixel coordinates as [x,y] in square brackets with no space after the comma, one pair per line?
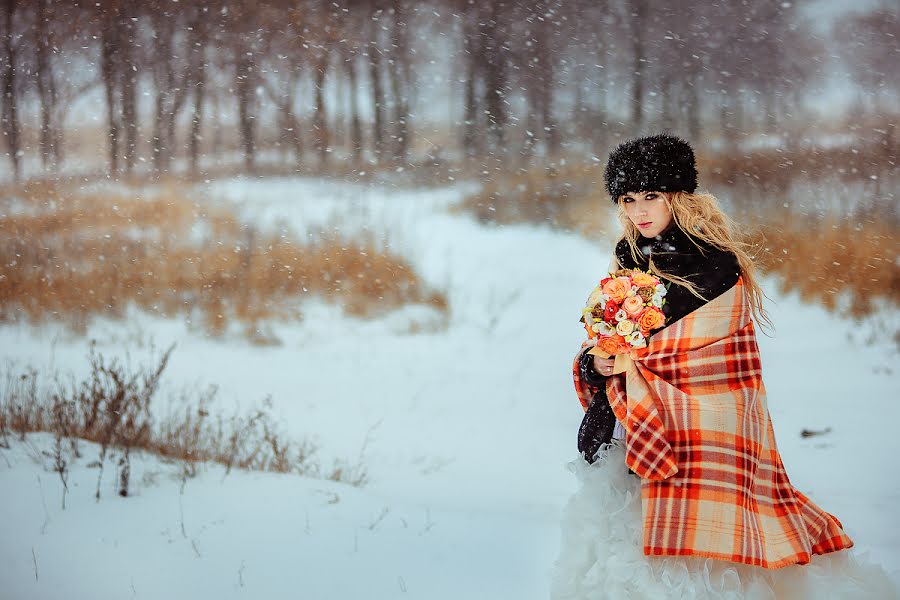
[682,490]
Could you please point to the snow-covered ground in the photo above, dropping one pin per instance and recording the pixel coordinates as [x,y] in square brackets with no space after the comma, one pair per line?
[465,427]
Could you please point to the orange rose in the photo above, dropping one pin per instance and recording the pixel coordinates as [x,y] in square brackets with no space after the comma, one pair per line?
[633,305]
[609,344]
[641,279]
[652,318]
[616,289]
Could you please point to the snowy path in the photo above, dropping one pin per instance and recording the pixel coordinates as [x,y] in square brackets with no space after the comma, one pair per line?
[467,430]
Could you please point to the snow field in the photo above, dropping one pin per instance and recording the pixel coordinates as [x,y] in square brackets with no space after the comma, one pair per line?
[465,426]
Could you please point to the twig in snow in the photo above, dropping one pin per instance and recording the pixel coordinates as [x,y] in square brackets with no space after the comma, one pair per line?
[34,561]
[374,524]
[241,575]
[62,414]
[811,432]
[428,522]
[44,503]
[184,474]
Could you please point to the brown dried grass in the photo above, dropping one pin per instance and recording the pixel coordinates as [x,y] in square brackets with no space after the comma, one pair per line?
[69,256]
[116,409]
[772,171]
[561,196]
[824,260]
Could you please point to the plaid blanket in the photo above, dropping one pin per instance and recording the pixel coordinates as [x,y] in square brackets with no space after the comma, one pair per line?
[698,433]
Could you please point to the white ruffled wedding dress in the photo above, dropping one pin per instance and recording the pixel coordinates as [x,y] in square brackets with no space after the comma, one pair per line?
[601,554]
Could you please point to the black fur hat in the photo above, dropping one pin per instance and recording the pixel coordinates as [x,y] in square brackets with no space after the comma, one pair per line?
[656,163]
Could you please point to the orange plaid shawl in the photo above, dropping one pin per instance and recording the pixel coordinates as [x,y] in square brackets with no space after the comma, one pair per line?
[698,433]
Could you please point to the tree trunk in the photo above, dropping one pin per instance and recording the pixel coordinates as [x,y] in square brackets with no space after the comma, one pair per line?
[472,53]
[163,84]
[377,95]
[494,61]
[46,88]
[320,123]
[638,22]
[726,123]
[356,135]
[693,106]
[244,89]
[400,82]
[10,106]
[547,83]
[198,78]
[108,60]
[129,77]
[668,115]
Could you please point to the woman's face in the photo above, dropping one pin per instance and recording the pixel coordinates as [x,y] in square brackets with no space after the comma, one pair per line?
[648,211]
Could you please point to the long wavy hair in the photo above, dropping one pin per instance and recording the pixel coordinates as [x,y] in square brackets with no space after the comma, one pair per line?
[699,216]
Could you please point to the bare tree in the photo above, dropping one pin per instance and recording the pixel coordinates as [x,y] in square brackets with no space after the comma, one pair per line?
[198,24]
[473,50]
[870,47]
[639,13]
[46,83]
[244,31]
[401,78]
[10,116]
[495,56]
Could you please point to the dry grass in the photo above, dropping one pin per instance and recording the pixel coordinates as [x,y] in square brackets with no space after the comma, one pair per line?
[775,169]
[859,181]
[831,258]
[116,409]
[69,256]
[559,196]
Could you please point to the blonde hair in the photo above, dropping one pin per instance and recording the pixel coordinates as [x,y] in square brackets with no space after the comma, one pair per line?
[699,216]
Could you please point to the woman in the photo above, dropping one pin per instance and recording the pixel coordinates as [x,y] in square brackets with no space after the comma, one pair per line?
[704,507]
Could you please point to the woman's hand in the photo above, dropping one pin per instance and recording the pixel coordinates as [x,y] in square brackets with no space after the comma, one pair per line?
[603,366]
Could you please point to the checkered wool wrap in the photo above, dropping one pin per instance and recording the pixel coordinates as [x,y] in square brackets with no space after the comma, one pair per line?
[698,433]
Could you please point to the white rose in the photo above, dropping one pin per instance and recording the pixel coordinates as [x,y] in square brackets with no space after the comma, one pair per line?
[661,289]
[621,315]
[624,327]
[606,328]
[595,297]
[638,340]
[656,300]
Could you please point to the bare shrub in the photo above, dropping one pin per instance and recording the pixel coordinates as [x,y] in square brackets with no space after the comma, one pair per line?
[113,407]
[62,419]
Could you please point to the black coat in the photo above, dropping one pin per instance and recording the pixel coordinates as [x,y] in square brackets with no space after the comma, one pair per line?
[711,270]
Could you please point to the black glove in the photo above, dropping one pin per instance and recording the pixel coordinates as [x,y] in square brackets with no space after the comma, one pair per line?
[599,420]
[587,373]
[597,425]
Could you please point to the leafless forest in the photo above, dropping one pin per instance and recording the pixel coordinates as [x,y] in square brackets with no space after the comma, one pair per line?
[793,112]
[181,87]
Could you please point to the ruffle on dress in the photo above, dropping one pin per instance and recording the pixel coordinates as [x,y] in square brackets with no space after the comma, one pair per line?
[601,554]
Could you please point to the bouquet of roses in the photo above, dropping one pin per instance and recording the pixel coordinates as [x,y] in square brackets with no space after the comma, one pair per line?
[622,311]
